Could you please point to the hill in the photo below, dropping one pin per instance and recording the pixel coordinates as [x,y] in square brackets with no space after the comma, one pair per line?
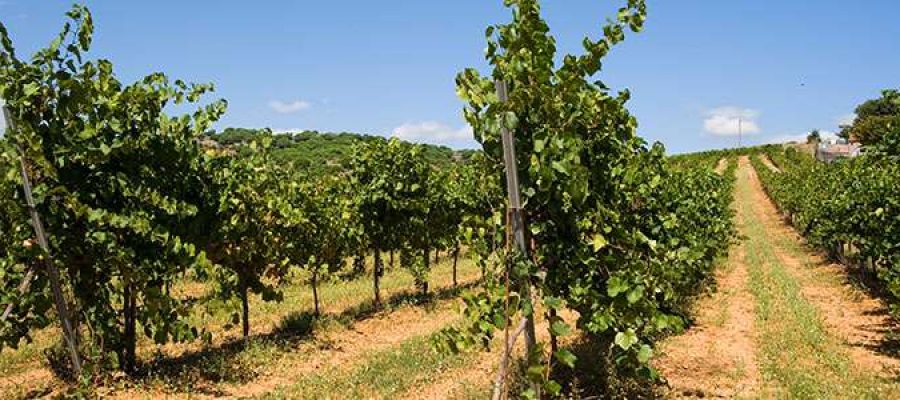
[325,152]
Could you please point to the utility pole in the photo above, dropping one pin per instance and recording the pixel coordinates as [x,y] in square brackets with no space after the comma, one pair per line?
[47,259]
[517,225]
[740,131]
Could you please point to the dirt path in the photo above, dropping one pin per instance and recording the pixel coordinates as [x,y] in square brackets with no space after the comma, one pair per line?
[717,356]
[343,349]
[783,323]
[862,323]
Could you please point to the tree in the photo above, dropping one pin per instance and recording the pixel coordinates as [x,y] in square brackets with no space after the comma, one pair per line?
[872,130]
[603,210]
[477,187]
[814,137]
[335,230]
[250,210]
[117,184]
[889,145]
[434,219]
[886,105]
[389,178]
[875,118]
[452,183]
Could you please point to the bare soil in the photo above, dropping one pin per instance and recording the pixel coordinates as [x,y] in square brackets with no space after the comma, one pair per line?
[343,349]
[716,357]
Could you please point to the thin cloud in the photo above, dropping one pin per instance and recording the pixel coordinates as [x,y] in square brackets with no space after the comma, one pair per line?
[846,119]
[730,121]
[827,136]
[289,107]
[435,133]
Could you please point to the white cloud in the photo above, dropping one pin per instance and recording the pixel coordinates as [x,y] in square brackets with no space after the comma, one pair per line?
[290,107]
[827,136]
[435,133]
[281,131]
[846,119]
[729,121]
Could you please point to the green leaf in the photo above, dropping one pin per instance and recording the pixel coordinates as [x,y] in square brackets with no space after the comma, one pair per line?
[616,285]
[560,328]
[599,241]
[535,372]
[635,294]
[30,89]
[644,354]
[566,357]
[626,339]
[87,133]
[554,303]
[552,387]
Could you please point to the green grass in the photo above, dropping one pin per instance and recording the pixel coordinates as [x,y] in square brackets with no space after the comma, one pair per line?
[385,374]
[468,391]
[276,328]
[12,360]
[336,297]
[797,353]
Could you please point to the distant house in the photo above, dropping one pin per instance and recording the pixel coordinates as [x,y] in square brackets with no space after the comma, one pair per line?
[828,152]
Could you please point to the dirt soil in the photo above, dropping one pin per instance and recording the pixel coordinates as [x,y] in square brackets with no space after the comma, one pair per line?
[716,357]
[343,349]
[860,320]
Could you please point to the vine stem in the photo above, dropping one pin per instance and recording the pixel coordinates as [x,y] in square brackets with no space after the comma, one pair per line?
[500,380]
[23,287]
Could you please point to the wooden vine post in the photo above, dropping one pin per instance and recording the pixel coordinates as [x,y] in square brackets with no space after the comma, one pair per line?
[517,226]
[47,260]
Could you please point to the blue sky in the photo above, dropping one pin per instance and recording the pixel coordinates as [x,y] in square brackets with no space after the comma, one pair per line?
[782,67]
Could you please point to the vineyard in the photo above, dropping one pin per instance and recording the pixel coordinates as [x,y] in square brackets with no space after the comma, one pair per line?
[143,254]
[848,209]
